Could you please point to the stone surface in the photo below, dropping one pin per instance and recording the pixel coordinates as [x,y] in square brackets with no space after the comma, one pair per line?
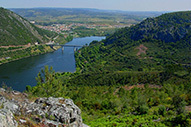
[49,112]
[56,111]
[22,121]
[11,106]
[7,118]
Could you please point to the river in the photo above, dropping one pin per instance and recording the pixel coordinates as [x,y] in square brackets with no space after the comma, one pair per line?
[18,74]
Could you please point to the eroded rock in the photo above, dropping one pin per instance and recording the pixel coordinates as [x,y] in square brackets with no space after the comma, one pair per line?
[46,111]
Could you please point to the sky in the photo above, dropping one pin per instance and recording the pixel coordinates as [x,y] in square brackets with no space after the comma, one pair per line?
[125,5]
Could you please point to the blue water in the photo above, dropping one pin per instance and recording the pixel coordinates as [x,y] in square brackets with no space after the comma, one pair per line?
[18,74]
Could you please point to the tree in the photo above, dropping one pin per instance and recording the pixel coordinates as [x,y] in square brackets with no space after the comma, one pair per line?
[47,84]
[46,76]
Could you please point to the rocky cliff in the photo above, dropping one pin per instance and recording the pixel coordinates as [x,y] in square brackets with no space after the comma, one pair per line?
[18,110]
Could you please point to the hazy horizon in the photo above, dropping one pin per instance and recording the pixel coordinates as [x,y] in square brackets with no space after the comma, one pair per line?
[120,5]
[90,9]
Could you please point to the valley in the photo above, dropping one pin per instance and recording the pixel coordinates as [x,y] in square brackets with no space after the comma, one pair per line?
[41,29]
[18,74]
[82,22]
[138,75]
[141,56]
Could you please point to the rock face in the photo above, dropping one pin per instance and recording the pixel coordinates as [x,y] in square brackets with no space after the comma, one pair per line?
[7,118]
[57,111]
[46,112]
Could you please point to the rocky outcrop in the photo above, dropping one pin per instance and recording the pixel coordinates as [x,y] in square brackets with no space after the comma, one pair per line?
[7,118]
[43,111]
[57,111]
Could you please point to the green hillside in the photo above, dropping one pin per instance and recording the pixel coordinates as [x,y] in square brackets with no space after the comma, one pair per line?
[15,30]
[16,33]
[148,46]
[139,76]
[170,27]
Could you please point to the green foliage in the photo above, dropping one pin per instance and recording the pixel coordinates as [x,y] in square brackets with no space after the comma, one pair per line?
[11,55]
[119,84]
[143,109]
[47,84]
[117,104]
[162,110]
[81,32]
[181,120]
[127,120]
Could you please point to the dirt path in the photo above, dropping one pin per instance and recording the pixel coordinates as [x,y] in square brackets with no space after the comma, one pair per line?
[142,49]
[22,47]
[8,46]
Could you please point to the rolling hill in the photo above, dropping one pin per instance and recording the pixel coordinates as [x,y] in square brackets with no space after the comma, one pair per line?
[47,16]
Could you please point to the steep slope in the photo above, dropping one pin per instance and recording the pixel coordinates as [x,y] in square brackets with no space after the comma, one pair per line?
[15,30]
[170,27]
[148,46]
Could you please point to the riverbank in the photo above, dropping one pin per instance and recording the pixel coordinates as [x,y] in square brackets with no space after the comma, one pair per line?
[20,73]
[21,53]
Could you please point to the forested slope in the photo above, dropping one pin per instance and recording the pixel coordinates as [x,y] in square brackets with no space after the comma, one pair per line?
[139,76]
[15,30]
[149,46]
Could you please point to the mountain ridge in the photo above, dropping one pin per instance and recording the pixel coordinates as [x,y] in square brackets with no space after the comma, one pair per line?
[167,42]
[15,30]
[170,27]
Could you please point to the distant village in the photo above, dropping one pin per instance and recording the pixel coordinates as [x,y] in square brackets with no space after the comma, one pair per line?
[61,28]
